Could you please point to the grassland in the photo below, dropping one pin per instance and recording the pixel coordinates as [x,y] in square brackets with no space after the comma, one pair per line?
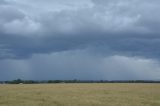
[80,95]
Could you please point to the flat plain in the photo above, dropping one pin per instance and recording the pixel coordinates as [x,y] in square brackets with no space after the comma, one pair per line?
[96,94]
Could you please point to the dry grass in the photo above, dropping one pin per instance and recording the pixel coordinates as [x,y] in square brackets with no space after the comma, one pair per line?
[80,95]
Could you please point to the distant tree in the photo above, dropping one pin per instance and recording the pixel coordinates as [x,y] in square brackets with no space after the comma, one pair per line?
[18,81]
[50,81]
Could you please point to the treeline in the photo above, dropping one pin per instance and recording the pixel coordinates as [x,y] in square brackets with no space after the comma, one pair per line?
[20,81]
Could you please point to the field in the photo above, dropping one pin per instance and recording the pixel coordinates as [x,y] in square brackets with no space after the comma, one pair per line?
[80,95]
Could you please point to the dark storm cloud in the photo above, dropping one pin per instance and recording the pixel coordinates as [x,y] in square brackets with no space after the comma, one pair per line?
[80,64]
[24,47]
[100,37]
[125,27]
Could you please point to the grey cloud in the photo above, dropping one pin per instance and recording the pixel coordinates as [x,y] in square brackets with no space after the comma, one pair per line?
[3,2]
[25,47]
[109,32]
[79,64]
[10,14]
[108,16]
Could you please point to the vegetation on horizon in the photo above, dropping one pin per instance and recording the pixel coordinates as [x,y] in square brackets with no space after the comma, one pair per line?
[20,81]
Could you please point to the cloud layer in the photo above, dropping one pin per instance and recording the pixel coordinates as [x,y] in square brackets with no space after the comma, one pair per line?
[126,31]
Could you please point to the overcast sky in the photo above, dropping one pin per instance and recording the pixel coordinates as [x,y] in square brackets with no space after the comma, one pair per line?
[80,39]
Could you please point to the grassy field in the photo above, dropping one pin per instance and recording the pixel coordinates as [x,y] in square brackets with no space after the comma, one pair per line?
[80,95]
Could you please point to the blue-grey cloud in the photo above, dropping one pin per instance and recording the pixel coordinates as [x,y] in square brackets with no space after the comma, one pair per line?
[2,2]
[105,28]
[80,64]
[122,26]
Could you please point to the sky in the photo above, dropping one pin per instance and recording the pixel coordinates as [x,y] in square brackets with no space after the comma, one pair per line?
[80,39]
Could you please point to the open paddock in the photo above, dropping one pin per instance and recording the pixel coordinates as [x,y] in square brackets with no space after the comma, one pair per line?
[97,94]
